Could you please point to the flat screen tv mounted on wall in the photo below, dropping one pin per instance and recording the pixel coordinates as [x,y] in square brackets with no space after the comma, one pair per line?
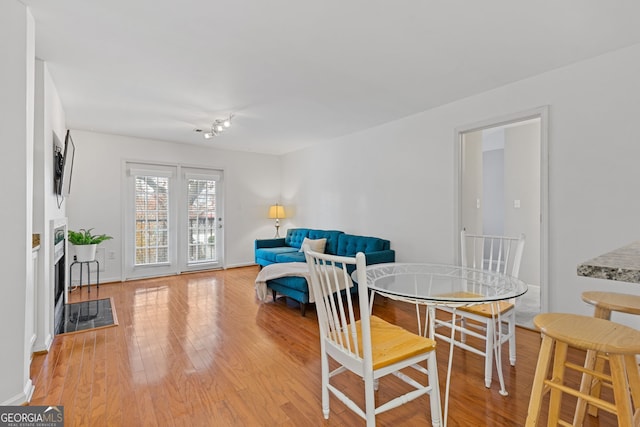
[64,167]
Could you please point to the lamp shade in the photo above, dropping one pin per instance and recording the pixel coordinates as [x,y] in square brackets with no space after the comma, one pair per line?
[276,212]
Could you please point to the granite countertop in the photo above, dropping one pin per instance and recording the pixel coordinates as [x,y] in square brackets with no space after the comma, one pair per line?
[35,240]
[621,264]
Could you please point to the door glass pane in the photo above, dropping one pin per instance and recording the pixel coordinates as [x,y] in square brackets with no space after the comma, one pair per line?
[152,207]
[201,229]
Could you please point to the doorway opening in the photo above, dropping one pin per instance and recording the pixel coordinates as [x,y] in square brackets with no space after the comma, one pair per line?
[502,190]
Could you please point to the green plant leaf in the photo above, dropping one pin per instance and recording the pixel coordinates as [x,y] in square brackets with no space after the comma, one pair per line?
[84,237]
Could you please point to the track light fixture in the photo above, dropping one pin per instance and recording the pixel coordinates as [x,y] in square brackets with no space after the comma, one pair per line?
[217,127]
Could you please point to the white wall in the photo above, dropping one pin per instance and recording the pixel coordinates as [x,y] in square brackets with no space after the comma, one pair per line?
[388,181]
[493,177]
[473,198]
[396,180]
[522,183]
[17,50]
[251,184]
[49,130]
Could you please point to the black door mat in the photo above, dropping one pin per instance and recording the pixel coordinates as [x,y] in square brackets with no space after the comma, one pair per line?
[86,315]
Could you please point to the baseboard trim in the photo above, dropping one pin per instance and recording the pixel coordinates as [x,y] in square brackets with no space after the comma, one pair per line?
[23,398]
[250,264]
[45,347]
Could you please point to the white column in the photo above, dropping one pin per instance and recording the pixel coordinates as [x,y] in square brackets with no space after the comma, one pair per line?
[17,47]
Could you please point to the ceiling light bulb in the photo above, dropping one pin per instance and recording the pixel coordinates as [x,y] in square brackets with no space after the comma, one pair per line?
[227,123]
[219,128]
[208,135]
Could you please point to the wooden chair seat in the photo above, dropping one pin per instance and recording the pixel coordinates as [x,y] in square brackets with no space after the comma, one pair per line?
[391,343]
[484,310]
[489,310]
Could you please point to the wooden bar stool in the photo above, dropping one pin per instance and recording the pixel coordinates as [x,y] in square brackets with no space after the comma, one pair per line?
[604,303]
[619,342]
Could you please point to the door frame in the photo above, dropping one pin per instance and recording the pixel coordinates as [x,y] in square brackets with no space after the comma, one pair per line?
[543,114]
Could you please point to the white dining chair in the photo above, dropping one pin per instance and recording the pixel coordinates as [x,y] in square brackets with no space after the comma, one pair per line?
[369,346]
[492,323]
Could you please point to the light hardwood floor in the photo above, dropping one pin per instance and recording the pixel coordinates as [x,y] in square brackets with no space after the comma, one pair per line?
[200,350]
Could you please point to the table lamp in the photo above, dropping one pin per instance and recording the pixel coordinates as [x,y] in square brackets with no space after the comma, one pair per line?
[277,212]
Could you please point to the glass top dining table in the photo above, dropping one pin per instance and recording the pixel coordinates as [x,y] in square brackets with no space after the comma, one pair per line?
[438,284]
[443,285]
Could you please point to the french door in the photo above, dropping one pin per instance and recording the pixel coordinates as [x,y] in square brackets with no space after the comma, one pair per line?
[173,220]
[201,225]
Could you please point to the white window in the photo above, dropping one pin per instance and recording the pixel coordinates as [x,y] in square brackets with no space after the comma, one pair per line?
[152,219]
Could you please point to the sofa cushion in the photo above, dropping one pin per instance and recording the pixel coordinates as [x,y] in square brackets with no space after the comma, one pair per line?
[332,239]
[349,245]
[295,236]
[316,245]
[295,256]
[271,254]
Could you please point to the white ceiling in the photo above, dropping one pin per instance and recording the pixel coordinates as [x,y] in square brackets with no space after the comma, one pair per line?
[299,72]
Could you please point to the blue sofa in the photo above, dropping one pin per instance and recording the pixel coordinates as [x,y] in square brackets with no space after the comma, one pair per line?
[287,249]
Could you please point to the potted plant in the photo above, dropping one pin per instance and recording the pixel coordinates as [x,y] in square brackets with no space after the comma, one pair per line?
[86,243]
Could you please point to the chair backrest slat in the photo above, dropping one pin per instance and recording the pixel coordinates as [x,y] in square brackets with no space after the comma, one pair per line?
[501,254]
[331,287]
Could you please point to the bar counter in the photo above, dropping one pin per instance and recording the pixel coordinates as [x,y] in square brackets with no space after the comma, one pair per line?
[621,264]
